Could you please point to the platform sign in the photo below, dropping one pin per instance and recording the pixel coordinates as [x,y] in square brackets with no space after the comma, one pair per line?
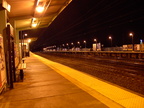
[2,64]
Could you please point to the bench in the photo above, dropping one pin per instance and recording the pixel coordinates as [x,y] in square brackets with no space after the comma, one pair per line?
[21,67]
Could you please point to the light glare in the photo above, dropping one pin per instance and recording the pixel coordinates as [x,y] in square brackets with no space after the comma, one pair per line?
[110,37]
[29,40]
[40,9]
[131,34]
[34,25]
[8,7]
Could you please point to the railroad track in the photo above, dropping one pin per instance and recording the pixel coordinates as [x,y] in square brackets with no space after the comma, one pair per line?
[124,73]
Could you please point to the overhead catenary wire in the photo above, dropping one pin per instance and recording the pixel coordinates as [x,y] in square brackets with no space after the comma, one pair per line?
[119,16]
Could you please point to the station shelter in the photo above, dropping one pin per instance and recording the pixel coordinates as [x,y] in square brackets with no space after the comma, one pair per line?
[16,16]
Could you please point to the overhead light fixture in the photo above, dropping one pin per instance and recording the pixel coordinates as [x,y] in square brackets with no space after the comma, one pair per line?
[6,5]
[40,6]
[34,25]
[40,9]
[34,22]
[29,40]
[25,34]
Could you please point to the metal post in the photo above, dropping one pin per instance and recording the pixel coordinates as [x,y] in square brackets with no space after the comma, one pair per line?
[9,57]
[132,43]
[95,43]
[21,44]
[131,34]
[111,42]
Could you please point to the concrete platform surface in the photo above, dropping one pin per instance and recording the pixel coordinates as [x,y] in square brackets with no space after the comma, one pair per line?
[111,95]
[49,84]
[43,87]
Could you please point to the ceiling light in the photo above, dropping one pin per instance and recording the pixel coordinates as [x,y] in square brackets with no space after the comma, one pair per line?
[8,7]
[29,40]
[40,9]
[33,19]
[34,25]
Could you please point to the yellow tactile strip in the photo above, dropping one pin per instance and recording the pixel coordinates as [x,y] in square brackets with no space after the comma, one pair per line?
[112,96]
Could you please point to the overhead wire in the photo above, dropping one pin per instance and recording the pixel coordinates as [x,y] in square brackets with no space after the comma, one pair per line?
[77,22]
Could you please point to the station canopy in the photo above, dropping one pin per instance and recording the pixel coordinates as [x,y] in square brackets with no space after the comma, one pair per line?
[30,14]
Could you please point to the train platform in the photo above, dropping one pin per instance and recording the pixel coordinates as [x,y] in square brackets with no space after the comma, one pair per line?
[48,84]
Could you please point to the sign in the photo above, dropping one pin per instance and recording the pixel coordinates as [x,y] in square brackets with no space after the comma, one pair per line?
[2,64]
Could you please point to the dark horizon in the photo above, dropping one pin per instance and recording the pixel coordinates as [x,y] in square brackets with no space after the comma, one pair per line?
[83,20]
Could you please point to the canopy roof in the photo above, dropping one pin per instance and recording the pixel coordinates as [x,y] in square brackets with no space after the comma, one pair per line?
[24,14]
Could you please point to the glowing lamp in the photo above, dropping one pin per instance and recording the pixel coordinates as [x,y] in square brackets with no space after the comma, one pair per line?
[29,40]
[34,25]
[39,9]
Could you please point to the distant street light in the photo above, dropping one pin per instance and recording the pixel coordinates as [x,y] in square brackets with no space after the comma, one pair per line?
[131,34]
[78,43]
[25,34]
[67,46]
[141,41]
[63,46]
[111,40]
[95,40]
[141,44]
[29,40]
[85,43]
[72,44]
[22,45]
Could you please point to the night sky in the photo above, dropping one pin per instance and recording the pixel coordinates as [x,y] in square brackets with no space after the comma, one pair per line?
[89,19]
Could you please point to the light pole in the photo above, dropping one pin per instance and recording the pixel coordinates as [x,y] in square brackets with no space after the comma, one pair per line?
[85,44]
[29,40]
[111,40]
[131,34]
[63,47]
[141,44]
[67,46]
[78,43]
[22,44]
[72,44]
